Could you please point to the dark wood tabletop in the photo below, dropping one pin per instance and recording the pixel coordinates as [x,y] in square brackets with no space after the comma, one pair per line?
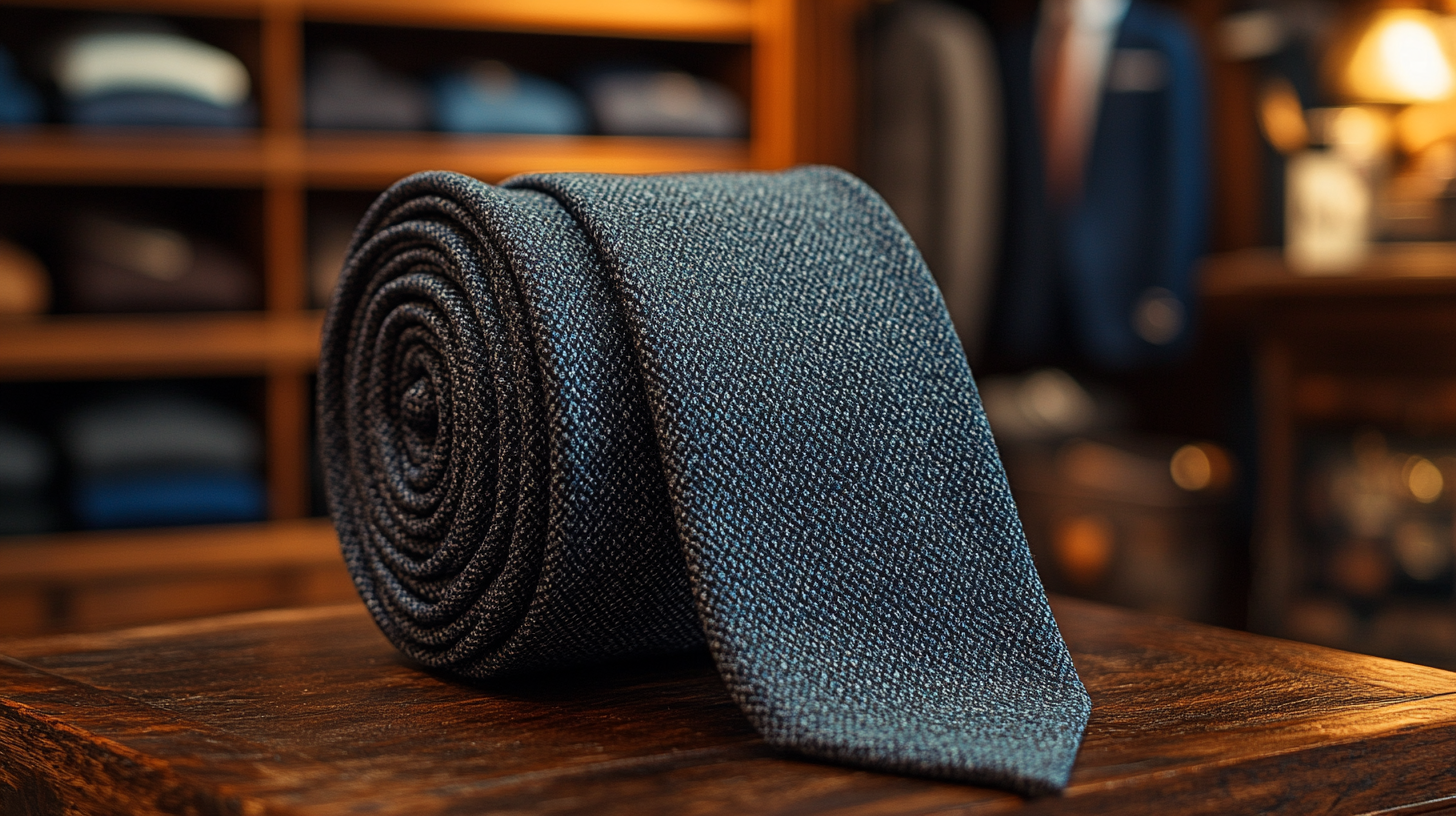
[310,711]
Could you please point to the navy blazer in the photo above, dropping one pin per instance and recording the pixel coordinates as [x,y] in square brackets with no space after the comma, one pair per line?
[1072,277]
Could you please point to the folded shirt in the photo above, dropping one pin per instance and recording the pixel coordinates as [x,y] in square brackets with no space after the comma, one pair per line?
[27,464]
[636,102]
[156,109]
[104,62]
[151,78]
[159,432]
[329,235]
[154,499]
[19,102]
[347,89]
[122,266]
[26,460]
[492,97]
[25,288]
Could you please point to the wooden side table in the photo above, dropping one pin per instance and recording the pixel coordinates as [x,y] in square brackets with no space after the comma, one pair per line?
[312,712]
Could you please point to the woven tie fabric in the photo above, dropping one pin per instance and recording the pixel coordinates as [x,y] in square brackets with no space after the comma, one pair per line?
[583,417]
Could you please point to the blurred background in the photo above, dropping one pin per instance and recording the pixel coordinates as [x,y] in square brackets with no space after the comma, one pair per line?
[1200,253]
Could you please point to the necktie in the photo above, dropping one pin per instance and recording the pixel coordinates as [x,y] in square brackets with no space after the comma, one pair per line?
[581,417]
[1074,42]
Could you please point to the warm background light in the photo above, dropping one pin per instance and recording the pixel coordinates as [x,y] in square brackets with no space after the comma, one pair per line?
[1402,58]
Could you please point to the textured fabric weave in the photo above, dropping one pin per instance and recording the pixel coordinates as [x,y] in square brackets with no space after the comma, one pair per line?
[580,417]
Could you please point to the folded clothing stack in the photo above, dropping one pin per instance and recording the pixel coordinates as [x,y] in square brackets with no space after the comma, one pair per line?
[25,288]
[330,231]
[347,89]
[123,266]
[151,77]
[19,102]
[492,97]
[163,459]
[26,467]
[642,102]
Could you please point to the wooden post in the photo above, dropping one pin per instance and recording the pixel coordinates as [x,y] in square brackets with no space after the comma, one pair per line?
[775,84]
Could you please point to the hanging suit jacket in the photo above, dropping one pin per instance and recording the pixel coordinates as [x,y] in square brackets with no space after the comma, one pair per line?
[1084,278]
[932,147]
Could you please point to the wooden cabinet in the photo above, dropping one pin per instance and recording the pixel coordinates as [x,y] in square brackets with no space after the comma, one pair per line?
[1355,384]
[789,58]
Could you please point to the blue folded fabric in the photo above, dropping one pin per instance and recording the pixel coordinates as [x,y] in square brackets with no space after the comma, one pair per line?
[491,97]
[156,109]
[169,498]
[581,417]
[19,103]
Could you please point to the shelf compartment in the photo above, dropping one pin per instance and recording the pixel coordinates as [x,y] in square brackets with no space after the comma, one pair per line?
[110,347]
[372,161]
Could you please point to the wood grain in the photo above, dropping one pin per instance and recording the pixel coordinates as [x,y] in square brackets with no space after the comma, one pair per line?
[310,711]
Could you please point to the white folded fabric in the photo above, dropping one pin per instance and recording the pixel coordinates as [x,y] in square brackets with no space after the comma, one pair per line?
[109,61]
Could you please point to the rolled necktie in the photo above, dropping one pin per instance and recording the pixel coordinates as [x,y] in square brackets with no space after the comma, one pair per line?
[581,417]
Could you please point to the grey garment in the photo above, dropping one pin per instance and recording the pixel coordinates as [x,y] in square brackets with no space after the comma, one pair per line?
[347,89]
[125,266]
[663,103]
[158,432]
[933,147]
[26,461]
[580,417]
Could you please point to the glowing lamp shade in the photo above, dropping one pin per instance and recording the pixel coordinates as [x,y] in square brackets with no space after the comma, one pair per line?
[1402,58]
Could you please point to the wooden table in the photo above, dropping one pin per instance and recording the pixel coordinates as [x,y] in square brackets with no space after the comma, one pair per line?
[311,711]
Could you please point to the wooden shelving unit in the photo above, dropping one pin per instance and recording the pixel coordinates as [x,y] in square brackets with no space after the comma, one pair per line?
[283,162]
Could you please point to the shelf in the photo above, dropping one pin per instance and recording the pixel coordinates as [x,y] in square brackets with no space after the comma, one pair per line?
[106,347]
[346,160]
[82,581]
[108,555]
[699,20]
[75,582]
[372,161]
[1393,270]
[61,155]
